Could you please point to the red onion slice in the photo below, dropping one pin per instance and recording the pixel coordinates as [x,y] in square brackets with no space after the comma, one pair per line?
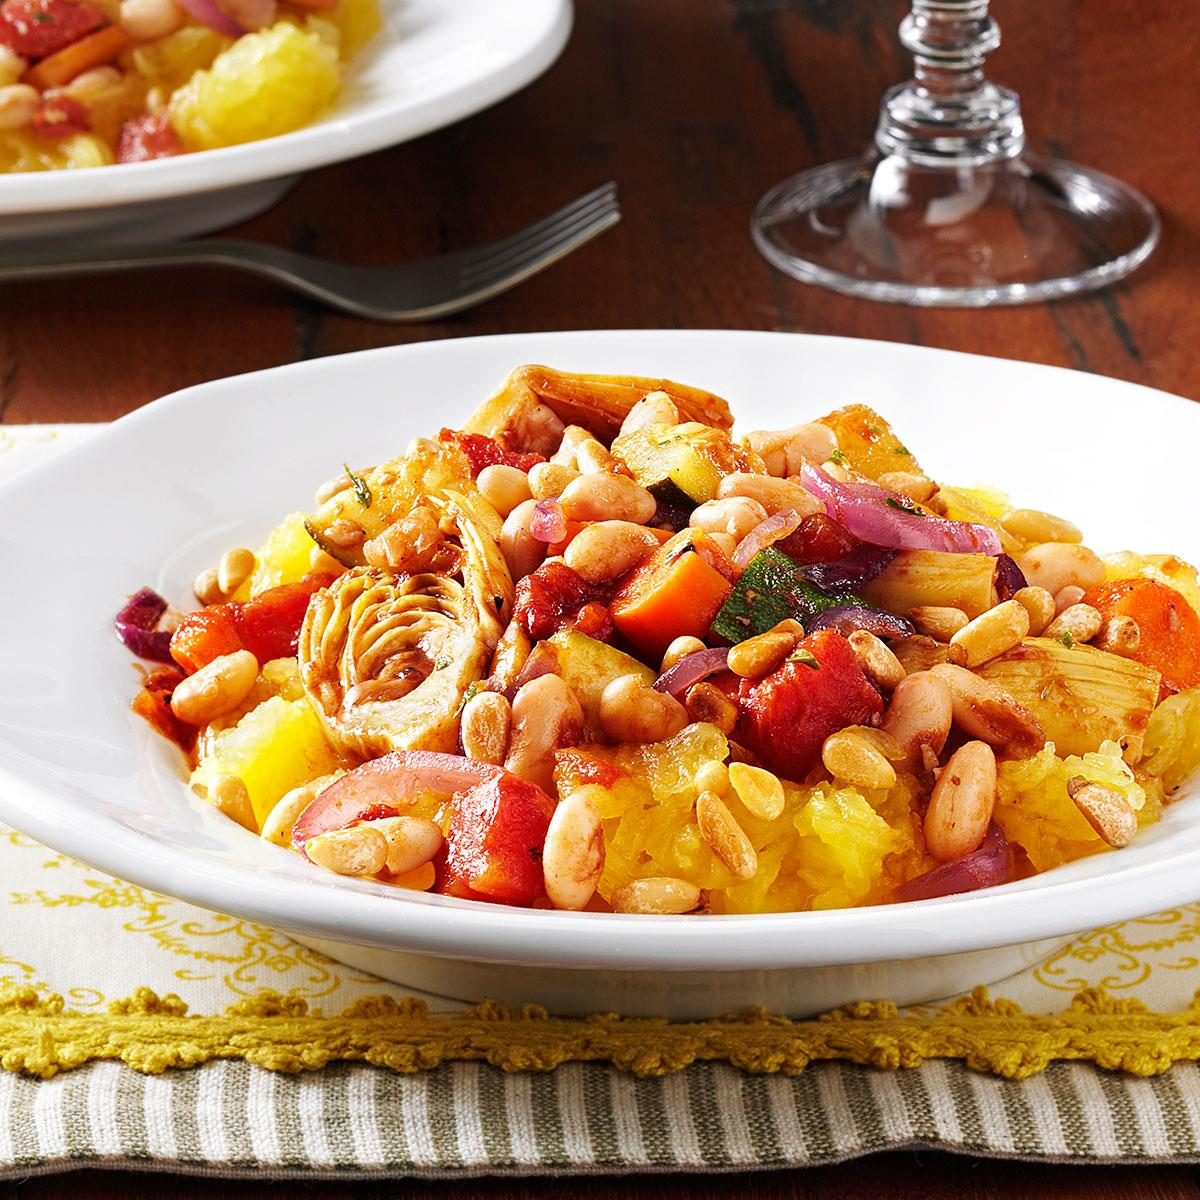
[874,514]
[207,13]
[988,866]
[692,669]
[135,625]
[846,618]
[1010,579]
[548,525]
[393,781]
[250,14]
[542,661]
[765,534]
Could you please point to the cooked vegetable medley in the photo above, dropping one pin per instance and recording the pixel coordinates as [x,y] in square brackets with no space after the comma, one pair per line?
[594,651]
[84,83]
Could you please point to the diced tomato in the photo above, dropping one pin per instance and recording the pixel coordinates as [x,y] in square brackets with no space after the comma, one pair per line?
[268,625]
[554,597]
[494,848]
[786,716]
[817,539]
[594,619]
[36,28]
[60,116]
[153,704]
[1169,627]
[148,137]
[575,766]
[483,451]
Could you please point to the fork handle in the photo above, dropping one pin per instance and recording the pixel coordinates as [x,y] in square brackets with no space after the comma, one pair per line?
[256,258]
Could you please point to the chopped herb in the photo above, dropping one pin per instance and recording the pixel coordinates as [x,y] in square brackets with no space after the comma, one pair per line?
[903,450]
[911,509]
[838,457]
[1067,639]
[875,430]
[43,17]
[442,661]
[360,487]
[807,657]
[471,693]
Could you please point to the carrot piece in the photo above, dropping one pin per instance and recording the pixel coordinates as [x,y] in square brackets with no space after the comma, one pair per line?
[100,47]
[1170,627]
[676,591]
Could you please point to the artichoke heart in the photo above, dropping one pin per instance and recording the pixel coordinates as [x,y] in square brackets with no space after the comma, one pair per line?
[387,659]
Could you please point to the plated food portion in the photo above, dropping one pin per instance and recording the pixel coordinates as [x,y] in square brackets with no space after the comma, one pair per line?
[594,650]
[85,83]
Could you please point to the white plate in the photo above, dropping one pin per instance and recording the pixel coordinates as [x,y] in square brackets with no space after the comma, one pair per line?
[435,62]
[159,494]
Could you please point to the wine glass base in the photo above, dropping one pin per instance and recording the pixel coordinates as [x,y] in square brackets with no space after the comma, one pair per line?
[1021,230]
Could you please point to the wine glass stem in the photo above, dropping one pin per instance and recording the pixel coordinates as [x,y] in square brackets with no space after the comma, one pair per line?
[950,114]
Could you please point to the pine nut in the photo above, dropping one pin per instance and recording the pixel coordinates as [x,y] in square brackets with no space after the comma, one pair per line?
[759,790]
[522,551]
[713,777]
[19,104]
[937,621]
[876,659]
[1056,565]
[608,549]
[660,895]
[725,542]
[332,487]
[595,458]
[485,727]
[632,711]
[548,481]
[1119,635]
[345,534]
[736,515]
[654,408]
[912,484]
[215,689]
[602,497]
[1067,598]
[234,569]
[357,850]
[920,715]
[773,494]
[1079,623]
[411,842]
[854,760]
[232,797]
[725,837]
[287,810]
[146,20]
[546,715]
[573,853]
[990,634]
[1039,604]
[960,807]
[208,587]
[986,711]
[759,656]
[706,703]
[679,649]
[12,66]
[567,454]
[1105,810]
[503,487]
[1030,525]
[920,652]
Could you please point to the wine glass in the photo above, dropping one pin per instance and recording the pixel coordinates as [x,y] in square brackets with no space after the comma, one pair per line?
[949,208]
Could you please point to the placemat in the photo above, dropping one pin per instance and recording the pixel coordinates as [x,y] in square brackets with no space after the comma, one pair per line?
[99,981]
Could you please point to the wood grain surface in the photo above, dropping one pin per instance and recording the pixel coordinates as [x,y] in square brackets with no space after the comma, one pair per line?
[694,107]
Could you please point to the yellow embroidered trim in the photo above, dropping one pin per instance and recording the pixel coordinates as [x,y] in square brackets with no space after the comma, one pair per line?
[40,1036]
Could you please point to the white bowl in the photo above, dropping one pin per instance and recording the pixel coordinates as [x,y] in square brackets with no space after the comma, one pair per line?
[159,494]
[435,62]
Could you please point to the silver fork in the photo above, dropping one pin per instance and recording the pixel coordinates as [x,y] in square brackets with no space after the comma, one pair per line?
[414,291]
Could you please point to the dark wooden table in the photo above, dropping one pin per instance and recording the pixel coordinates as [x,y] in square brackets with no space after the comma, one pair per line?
[695,107]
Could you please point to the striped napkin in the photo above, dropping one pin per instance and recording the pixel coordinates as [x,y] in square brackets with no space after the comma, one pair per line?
[97,974]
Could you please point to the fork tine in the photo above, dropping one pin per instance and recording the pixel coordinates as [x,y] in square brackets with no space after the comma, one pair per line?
[601,199]
[515,257]
[535,258]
